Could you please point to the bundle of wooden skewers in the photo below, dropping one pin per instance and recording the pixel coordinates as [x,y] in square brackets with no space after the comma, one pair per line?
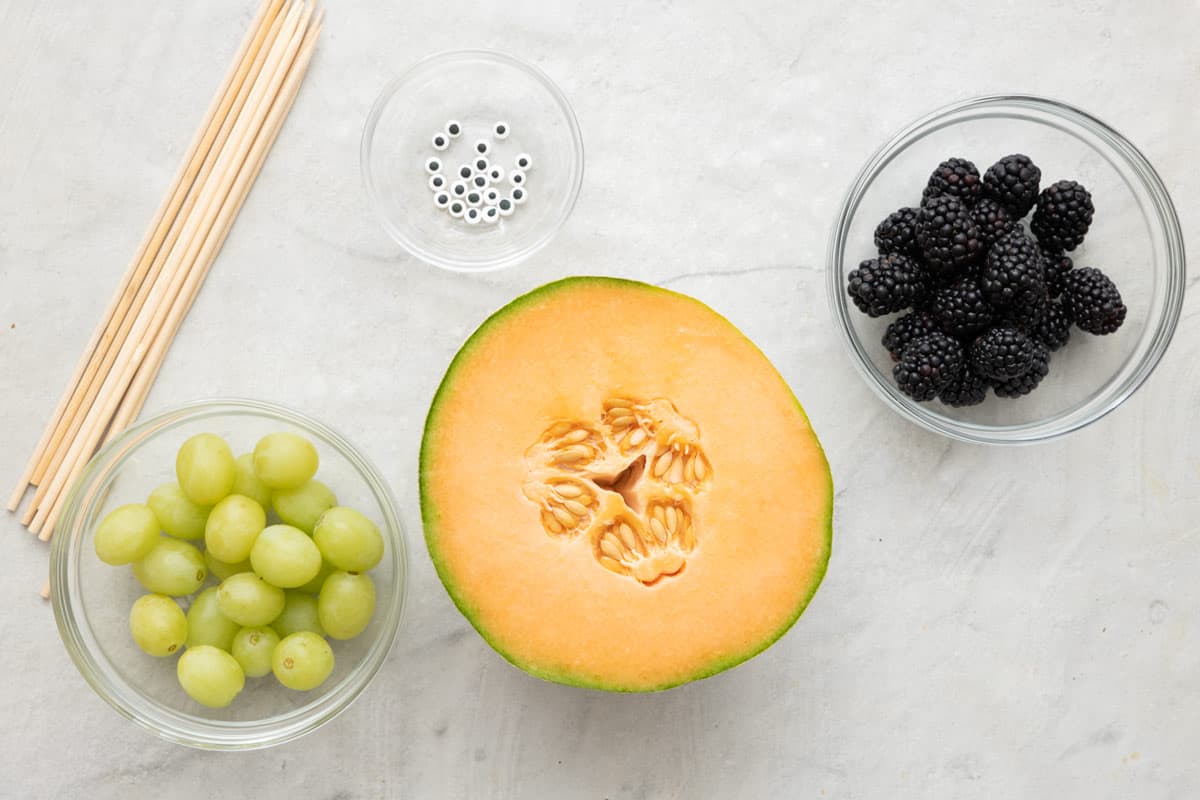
[119,364]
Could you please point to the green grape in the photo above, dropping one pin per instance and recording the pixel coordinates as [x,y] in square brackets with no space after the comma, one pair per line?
[285,460]
[299,614]
[285,557]
[172,567]
[248,600]
[158,624]
[348,540]
[207,625]
[223,569]
[303,506]
[210,676]
[178,516]
[314,586]
[252,647]
[204,467]
[302,661]
[232,527]
[346,603]
[247,483]
[126,535]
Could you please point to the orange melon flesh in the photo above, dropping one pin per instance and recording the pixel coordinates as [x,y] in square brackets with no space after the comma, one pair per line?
[551,601]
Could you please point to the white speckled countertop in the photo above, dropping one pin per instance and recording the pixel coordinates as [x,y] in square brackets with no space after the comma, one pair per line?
[995,623]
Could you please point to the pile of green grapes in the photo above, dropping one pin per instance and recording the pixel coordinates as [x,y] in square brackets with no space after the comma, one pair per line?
[283,587]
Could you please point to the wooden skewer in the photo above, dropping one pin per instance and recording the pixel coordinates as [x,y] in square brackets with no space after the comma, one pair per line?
[135,397]
[183,275]
[35,469]
[217,130]
[210,161]
[84,440]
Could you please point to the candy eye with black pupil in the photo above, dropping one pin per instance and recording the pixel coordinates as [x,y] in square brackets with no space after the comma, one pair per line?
[500,130]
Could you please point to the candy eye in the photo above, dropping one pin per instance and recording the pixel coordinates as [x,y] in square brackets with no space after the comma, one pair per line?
[496,174]
[437,181]
[519,196]
[457,208]
[473,216]
[491,215]
[516,177]
[505,207]
[483,147]
[491,197]
[474,199]
[441,199]
[459,189]
[480,181]
[482,164]
[465,172]
[454,128]
[433,165]
[523,161]
[500,130]
[440,141]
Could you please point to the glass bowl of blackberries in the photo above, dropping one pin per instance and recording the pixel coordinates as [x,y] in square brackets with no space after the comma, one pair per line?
[1006,270]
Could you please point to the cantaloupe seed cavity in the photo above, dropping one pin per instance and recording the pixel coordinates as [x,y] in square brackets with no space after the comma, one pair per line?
[644,453]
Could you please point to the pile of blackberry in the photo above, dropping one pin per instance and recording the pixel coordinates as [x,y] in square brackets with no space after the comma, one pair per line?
[987,301]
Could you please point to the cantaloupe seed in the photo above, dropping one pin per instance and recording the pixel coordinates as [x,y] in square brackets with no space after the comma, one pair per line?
[648,544]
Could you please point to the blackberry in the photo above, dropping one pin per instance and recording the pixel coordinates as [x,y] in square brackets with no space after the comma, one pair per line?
[1026,314]
[965,389]
[898,234]
[1063,216]
[992,219]
[1016,387]
[1001,354]
[929,363]
[906,328]
[957,177]
[960,308]
[1054,328]
[886,284]
[1057,266]
[1013,183]
[948,237]
[1014,272]
[1092,301]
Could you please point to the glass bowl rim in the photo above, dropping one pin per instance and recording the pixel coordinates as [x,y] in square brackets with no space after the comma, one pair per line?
[432,256]
[188,729]
[1174,268]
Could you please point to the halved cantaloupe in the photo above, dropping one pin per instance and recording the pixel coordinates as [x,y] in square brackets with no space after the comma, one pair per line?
[618,489]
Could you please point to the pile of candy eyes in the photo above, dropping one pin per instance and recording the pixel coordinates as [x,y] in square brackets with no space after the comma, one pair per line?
[474,191]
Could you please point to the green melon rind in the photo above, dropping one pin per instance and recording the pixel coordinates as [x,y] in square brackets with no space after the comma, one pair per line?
[429,515]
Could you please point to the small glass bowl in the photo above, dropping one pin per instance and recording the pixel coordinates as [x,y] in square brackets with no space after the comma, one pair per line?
[1135,239]
[478,88]
[92,599]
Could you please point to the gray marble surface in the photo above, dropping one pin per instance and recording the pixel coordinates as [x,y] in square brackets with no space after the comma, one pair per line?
[995,623]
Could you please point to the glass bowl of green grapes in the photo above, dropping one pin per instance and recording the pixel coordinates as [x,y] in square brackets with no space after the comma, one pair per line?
[229,574]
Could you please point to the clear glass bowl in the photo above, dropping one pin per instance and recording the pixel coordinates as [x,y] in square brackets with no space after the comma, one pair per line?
[1135,239]
[478,88]
[92,599]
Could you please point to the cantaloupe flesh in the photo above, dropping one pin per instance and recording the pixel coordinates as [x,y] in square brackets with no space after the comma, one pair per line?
[763,527]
